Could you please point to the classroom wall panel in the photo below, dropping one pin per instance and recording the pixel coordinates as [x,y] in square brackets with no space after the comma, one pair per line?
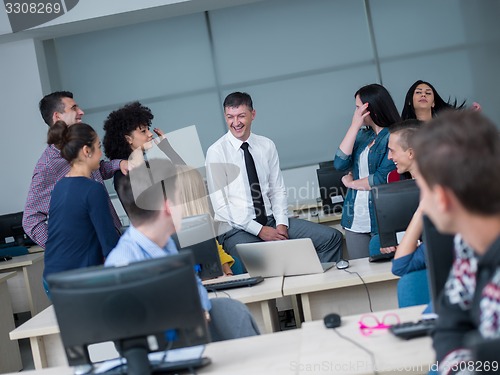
[145,61]
[307,117]
[400,74]
[276,38]
[413,27]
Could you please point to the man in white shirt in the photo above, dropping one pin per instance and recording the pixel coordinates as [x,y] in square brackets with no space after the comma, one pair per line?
[236,203]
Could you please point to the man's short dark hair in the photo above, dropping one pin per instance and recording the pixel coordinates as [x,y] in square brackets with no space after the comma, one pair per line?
[460,150]
[236,99]
[53,103]
[156,193]
[406,130]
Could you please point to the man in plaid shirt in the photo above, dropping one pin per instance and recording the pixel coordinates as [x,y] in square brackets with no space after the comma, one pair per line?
[51,167]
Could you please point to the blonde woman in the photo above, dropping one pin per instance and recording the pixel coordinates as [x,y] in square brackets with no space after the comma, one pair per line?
[195,202]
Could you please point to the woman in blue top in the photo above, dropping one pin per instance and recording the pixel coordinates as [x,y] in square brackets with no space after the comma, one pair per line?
[364,152]
[80,226]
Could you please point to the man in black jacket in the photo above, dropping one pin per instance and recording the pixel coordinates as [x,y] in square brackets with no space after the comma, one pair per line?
[458,158]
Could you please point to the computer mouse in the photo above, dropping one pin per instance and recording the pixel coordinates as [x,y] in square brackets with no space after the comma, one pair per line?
[342,264]
[332,320]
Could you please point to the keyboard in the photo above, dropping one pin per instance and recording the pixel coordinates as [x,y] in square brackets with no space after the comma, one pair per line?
[409,330]
[157,368]
[236,283]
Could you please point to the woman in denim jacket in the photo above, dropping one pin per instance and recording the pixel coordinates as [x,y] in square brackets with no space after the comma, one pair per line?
[364,151]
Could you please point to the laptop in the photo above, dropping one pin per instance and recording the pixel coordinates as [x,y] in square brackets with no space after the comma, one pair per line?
[197,234]
[439,256]
[281,258]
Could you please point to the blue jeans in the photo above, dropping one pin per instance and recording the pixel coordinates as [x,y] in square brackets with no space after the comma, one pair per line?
[46,287]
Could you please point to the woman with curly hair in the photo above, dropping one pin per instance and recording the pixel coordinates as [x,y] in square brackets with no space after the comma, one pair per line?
[126,130]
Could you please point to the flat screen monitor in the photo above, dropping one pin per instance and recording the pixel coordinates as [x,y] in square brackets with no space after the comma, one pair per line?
[197,234]
[394,205]
[439,255]
[142,307]
[331,189]
[11,229]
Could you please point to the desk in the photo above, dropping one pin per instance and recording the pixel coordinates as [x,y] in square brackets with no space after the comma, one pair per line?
[10,357]
[43,332]
[48,351]
[36,249]
[324,351]
[314,349]
[344,293]
[26,288]
[260,300]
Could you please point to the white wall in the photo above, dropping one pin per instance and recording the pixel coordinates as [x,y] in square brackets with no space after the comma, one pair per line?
[23,132]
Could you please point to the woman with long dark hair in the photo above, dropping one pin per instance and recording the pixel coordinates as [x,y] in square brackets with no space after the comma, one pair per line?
[423,102]
[364,151]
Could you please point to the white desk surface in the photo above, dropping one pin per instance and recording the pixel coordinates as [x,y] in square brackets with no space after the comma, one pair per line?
[21,261]
[42,324]
[315,349]
[335,278]
[270,288]
[325,351]
[35,249]
[26,288]
[260,300]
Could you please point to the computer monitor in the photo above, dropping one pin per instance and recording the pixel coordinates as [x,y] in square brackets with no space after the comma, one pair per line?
[197,234]
[331,189]
[143,307]
[439,256]
[11,229]
[394,206]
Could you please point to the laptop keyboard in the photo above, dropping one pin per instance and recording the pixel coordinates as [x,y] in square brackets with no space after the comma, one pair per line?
[237,283]
[409,330]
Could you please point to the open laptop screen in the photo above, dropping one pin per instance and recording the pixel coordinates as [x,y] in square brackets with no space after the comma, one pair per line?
[197,234]
[439,257]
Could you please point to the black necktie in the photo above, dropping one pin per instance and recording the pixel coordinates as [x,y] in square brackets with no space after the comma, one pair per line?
[253,179]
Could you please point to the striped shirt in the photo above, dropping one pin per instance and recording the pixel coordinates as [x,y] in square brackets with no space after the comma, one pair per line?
[50,168]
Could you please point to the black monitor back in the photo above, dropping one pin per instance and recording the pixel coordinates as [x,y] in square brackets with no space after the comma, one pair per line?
[11,225]
[142,299]
[331,189]
[439,255]
[394,205]
[197,234]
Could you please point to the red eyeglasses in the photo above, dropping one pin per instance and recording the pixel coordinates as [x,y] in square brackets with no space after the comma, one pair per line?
[369,322]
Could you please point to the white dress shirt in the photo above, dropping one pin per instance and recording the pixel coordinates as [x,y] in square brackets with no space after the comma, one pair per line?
[232,200]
